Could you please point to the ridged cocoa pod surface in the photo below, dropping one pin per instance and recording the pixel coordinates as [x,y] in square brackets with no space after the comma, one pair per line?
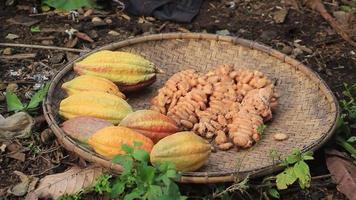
[91,83]
[151,124]
[81,128]
[108,141]
[129,71]
[186,150]
[95,104]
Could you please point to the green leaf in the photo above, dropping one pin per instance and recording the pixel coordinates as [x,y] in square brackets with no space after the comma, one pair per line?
[146,173]
[173,190]
[102,184]
[125,161]
[308,158]
[308,155]
[13,102]
[301,171]
[351,139]
[127,149]
[35,29]
[117,189]
[38,97]
[285,178]
[141,155]
[171,173]
[45,8]
[273,193]
[69,4]
[135,194]
[154,192]
[291,159]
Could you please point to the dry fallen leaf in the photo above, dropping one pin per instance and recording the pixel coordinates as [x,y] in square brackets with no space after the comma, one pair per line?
[18,125]
[18,156]
[68,182]
[343,172]
[280,15]
[21,188]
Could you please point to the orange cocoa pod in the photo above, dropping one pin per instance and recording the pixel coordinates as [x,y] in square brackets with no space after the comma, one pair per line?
[108,141]
[152,124]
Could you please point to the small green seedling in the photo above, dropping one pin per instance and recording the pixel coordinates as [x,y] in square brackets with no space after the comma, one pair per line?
[35,29]
[14,103]
[296,170]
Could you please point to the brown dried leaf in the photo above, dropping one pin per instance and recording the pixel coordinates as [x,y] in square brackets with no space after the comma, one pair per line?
[343,172]
[68,182]
[20,189]
[84,36]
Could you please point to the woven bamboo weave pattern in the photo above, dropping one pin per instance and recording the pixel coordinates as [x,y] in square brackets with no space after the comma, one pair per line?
[307,109]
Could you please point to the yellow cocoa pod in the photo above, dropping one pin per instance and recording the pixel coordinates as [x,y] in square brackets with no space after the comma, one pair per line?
[91,83]
[95,104]
[108,141]
[186,150]
[129,71]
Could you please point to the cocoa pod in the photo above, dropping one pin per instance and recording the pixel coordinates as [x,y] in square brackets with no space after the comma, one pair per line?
[152,124]
[131,72]
[81,128]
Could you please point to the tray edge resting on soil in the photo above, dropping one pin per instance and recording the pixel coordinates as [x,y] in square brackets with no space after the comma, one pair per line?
[189,177]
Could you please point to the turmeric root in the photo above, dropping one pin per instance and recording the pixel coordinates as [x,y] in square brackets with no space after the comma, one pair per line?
[255,108]
[225,105]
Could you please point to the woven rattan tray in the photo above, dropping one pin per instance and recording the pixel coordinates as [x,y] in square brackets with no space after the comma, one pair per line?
[307,109]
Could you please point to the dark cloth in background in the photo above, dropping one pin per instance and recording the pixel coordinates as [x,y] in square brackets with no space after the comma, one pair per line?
[173,10]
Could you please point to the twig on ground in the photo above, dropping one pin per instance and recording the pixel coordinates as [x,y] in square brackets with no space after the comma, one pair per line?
[18,81]
[19,56]
[34,46]
[318,6]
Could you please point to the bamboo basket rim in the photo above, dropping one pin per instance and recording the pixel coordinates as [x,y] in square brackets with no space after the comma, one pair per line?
[189,177]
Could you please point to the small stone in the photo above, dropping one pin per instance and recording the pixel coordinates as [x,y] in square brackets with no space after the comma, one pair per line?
[88,13]
[11,36]
[113,33]
[12,87]
[287,49]
[108,21]
[280,136]
[223,32]
[7,51]
[296,52]
[47,42]
[97,21]
[57,58]
[150,19]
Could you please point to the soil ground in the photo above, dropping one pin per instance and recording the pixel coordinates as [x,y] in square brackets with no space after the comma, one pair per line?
[329,55]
